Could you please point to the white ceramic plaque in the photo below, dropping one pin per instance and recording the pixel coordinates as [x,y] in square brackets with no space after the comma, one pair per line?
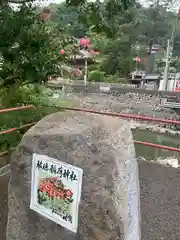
[56,190]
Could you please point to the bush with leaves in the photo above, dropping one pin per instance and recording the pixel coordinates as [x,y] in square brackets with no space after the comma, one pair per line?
[29,54]
[29,48]
[96,76]
[44,103]
[176,64]
[28,95]
[118,58]
[93,67]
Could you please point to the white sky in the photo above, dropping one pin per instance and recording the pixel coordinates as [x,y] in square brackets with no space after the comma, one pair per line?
[46,2]
[43,3]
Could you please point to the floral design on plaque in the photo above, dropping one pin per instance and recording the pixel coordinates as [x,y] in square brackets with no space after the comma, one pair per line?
[56,190]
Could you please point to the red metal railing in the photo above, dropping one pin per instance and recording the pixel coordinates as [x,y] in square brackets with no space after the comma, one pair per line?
[15,129]
[148,144]
[16,109]
[123,115]
[126,116]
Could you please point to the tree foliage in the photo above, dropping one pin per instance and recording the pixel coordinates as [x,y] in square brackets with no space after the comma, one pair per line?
[29,49]
[156,25]
[116,3]
[115,28]
[116,32]
[67,17]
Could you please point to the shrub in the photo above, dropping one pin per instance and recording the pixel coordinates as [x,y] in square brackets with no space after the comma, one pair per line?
[44,101]
[93,67]
[29,49]
[96,76]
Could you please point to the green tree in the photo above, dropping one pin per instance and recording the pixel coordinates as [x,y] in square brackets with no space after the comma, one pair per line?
[117,61]
[124,3]
[115,3]
[176,64]
[117,31]
[176,50]
[67,17]
[156,23]
[29,49]
[96,76]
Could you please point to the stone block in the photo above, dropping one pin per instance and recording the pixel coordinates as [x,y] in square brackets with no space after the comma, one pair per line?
[103,148]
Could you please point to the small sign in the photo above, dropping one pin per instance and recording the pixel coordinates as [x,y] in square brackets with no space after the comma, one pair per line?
[56,190]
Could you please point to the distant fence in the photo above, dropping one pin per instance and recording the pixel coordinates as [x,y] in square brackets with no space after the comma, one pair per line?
[126,116]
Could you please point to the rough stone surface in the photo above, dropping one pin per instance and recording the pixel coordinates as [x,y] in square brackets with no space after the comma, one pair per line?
[98,144]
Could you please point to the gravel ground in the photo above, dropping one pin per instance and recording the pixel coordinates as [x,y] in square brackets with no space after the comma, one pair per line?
[129,103]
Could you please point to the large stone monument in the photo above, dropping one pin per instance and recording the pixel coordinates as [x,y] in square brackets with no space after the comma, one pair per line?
[74,176]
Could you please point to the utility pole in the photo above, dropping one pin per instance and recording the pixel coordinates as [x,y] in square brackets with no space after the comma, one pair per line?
[166,67]
[169,52]
[85,74]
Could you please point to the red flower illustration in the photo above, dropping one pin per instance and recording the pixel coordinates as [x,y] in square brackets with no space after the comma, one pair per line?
[69,193]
